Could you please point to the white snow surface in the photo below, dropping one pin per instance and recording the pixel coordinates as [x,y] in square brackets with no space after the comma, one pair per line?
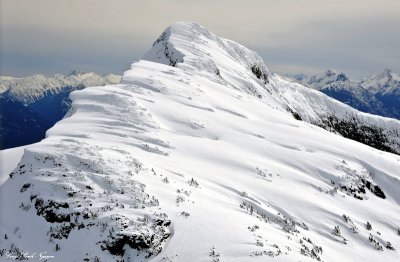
[217,154]
[9,159]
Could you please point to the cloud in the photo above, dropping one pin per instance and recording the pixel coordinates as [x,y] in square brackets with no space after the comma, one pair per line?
[356,36]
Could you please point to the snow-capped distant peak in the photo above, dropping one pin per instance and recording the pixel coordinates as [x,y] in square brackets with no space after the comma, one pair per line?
[386,73]
[28,89]
[322,80]
[384,83]
[330,73]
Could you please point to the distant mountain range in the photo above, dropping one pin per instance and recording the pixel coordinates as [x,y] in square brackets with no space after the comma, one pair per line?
[378,94]
[33,104]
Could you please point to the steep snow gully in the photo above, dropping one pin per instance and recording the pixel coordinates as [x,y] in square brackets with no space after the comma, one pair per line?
[199,155]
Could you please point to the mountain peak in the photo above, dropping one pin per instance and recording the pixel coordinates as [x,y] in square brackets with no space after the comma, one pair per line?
[188,28]
[385,74]
[387,71]
[330,73]
[342,77]
[385,82]
[192,47]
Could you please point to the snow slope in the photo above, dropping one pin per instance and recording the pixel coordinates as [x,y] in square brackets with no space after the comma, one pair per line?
[9,159]
[195,156]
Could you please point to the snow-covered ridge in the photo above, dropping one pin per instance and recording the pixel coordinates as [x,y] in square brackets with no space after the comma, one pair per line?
[29,89]
[193,48]
[182,163]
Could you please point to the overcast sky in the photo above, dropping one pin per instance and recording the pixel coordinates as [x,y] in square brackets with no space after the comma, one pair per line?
[359,37]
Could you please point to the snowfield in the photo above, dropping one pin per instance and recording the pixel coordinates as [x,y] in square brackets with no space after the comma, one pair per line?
[197,155]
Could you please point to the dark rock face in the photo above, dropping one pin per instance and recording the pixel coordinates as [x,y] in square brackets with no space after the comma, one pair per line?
[259,74]
[117,246]
[48,210]
[61,231]
[169,54]
[375,189]
[341,77]
[25,187]
[149,243]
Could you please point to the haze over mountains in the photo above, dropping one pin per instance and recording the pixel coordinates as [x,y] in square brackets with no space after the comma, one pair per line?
[378,94]
[201,154]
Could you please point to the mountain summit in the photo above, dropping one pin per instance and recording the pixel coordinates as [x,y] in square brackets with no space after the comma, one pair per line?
[199,154]
[198,49]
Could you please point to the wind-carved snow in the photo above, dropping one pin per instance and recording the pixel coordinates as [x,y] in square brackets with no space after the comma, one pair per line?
[182,162]
[33,104]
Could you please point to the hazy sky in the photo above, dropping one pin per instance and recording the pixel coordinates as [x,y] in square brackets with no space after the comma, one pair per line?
[359,37]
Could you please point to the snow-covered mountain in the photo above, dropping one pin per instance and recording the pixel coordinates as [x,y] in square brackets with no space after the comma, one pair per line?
[197,155]
[31,105]
[384,83]
[378,94]
[29,89]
